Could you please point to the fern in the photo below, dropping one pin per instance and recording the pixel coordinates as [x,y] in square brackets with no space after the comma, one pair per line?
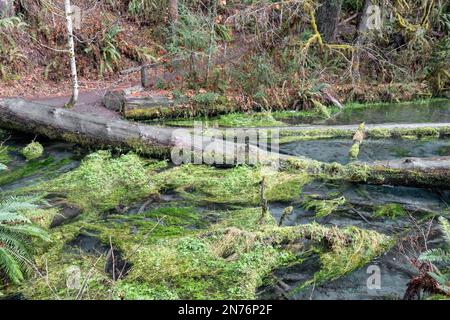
[16,235]
[11,23]
[435,255]
[445,228]
[439,255]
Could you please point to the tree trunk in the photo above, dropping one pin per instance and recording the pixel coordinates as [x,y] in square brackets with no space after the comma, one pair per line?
[328,18]
[6,8]
[71,48]
[173,11]
[56,123]
[360,39]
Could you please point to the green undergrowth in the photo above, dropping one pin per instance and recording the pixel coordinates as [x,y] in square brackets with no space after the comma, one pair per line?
[103,181]
[254,119]
[174,255]
[390,210]
[5,156]
[349,248]
[351,106]
[183,251]
[237,120]
[323,208]
[236,185]
[289,135]
[37,166]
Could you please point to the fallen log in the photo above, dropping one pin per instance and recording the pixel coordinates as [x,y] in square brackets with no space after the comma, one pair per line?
[93,130]
[181,145]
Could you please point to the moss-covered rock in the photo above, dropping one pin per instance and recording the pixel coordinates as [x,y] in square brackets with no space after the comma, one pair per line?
[32,151]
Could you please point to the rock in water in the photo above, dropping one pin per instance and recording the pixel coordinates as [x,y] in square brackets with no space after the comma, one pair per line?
[32,151]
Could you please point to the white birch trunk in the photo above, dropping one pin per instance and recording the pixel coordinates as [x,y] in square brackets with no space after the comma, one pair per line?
[71,47]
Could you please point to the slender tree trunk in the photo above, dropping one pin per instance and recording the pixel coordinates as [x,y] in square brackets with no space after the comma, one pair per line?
[360,39]
[173,11]
[328,18]
[71,47]
[6,8]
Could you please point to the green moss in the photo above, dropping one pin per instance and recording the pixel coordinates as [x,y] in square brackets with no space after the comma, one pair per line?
[354,151]
[32,151]
[289,135]
[444,151]
[391,210]
[102,181]
[5,157]
[324,133]
[46,166]
[378,133]
[321,109]
[346,250]
[226,260]
[400,152]
[237,120]
[236,185]
[323,208]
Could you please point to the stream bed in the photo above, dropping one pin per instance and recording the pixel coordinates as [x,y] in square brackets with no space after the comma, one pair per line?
[392,211]
[336,150]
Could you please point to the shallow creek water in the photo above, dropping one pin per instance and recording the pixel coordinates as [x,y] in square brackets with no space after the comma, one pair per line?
[435,111]
[396,271]
[336,150]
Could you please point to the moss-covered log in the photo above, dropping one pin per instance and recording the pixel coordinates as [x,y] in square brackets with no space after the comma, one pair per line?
[417,172]
[96,131]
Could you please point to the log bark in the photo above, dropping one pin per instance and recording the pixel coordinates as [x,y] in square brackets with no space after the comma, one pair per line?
[94,130]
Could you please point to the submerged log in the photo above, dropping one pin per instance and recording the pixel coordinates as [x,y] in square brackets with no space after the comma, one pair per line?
[96,131]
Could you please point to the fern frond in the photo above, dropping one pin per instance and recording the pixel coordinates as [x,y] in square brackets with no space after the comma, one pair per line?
[28,230]
[10,266]
[435,255]
[445,228]
[442,281]
[12,217]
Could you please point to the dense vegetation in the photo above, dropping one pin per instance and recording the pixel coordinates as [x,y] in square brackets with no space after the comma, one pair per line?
[77,222]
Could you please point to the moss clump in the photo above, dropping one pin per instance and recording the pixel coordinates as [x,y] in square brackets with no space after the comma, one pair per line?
[288,135]
[5,157]
[378,133]
[323,208]
[391,210]
[354,151]
[102,181]
[32,151]
[238,185]
[321,109]
[346,250]
[236,120]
